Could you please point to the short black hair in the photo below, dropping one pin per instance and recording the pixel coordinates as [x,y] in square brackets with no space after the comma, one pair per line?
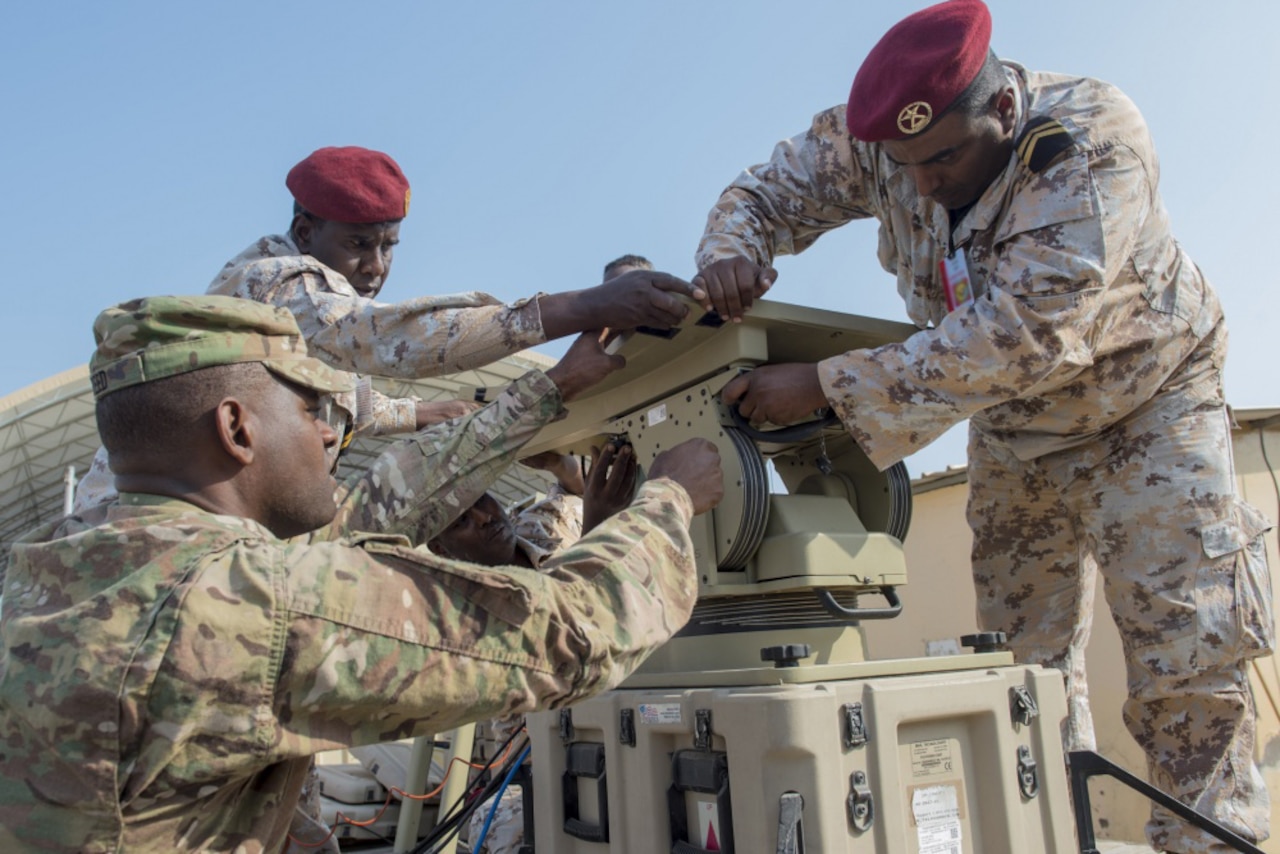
[975,100]
[637,261]
[159,417]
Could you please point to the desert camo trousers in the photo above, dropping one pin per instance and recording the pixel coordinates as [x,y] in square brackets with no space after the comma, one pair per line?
[1152,507]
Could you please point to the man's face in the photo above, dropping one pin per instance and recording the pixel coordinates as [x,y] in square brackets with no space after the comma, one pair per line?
[360,252]
[297,455]
[955,161]
[483,534]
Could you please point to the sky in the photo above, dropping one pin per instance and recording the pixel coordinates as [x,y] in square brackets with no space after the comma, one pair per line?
[146,143]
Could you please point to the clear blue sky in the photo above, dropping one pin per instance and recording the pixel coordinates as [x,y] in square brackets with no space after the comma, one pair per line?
[144,144]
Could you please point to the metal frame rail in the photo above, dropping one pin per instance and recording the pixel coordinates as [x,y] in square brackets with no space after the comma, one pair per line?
[1083,764]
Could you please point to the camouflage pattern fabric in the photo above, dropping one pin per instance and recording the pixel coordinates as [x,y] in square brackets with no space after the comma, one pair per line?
[411,339]
[149,339]
[308,827]
[98,486]
[1086,311]
[152,338]
[1090,323]
[547,525]
[1152,507]
[417,488]
[446,469]
[506,831]
[445,334]
[169,672]
[542,529]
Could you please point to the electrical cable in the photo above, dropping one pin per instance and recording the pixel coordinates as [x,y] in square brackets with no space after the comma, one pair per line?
[392,791]
[499,757]
[783,435]
[497,799]
[461,810]
[443,834]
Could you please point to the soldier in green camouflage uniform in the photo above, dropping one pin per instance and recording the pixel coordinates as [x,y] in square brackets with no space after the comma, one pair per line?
[170,665]
[1089,366]
[486,535]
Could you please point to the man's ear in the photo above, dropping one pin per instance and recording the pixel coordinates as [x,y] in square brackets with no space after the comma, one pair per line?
[1006,109]
[237,430]
[437,548]
[302,229]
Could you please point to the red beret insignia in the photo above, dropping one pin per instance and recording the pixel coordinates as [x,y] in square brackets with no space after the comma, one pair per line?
[915,117]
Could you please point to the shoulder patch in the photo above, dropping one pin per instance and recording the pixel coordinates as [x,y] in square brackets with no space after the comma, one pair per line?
[1042,140]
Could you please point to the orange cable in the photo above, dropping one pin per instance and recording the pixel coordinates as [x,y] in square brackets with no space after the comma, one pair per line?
[394,790]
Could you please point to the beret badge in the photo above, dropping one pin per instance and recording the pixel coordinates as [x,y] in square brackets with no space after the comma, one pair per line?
[915,117]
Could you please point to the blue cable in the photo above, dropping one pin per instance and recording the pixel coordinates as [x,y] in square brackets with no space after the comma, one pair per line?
[497,799]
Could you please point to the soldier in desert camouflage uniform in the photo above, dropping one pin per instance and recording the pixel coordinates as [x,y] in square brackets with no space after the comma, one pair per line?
[1083,345]
[171,663]
[331,266]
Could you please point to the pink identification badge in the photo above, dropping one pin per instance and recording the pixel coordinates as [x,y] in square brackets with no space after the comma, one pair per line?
[955,280]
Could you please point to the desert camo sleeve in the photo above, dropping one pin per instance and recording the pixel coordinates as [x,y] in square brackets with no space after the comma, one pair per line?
[813,183]
[420,337]
[1068,232]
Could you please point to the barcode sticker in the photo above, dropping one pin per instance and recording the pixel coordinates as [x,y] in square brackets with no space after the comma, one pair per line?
[937,813]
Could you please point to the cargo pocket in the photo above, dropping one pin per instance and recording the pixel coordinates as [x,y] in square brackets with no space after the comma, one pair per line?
[1233,595]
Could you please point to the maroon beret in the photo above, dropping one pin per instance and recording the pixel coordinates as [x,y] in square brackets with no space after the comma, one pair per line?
[918,69]
[350,184]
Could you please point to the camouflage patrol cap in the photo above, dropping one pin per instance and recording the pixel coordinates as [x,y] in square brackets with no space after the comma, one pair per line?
[156,337]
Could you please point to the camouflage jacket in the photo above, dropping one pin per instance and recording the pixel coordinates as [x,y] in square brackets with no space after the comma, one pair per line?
[167,672]
[1087,311]
[419,337]
[547,526]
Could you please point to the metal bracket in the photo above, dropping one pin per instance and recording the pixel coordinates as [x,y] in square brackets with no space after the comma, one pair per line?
[1028,782]
[1083,764]
[566,725]
[790,824]
[702,729]
[855,727]
[862,808]
[627,727]
[1023,706]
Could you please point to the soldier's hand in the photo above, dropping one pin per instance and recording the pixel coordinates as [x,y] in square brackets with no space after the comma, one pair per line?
[565,468]
[439,411]
[695,465]
[780,394]
[732,285]
[637,298]
[611,484]
[585,364]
